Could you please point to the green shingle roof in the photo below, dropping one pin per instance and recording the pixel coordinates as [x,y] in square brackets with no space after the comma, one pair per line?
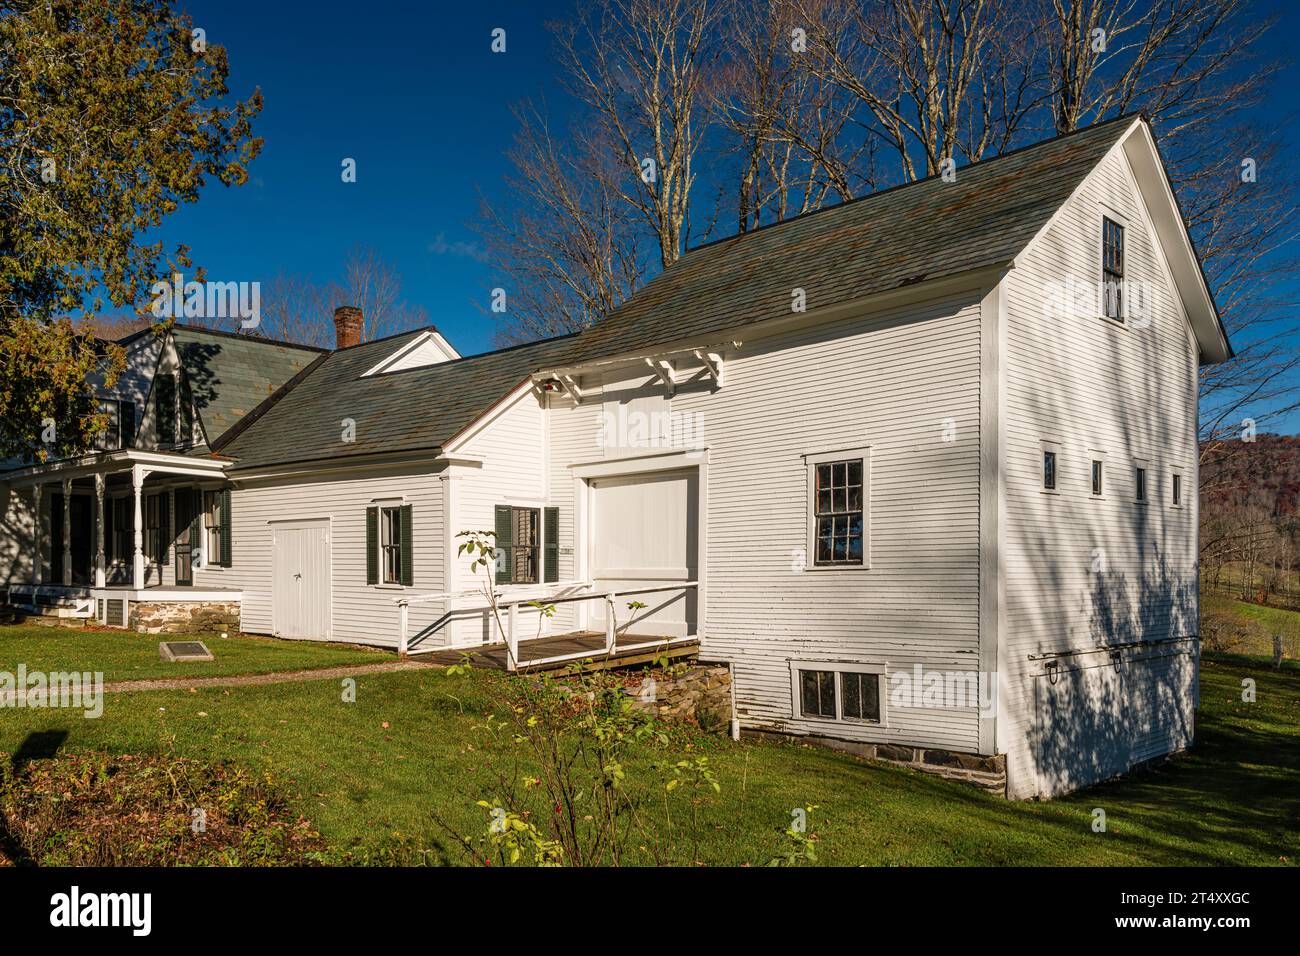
[230,375]
[912,233]
[412,410]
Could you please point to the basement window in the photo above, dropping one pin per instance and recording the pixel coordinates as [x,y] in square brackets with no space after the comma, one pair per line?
[838,691]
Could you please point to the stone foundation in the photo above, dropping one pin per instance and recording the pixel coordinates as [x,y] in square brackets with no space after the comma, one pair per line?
[700,694]
[183,617]
[987,773]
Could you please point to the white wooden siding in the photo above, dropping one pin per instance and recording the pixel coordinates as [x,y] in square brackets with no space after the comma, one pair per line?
[361,613]
[891,381]
[1087,383]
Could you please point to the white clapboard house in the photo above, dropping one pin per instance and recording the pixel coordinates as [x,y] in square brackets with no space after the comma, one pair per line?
[921,468]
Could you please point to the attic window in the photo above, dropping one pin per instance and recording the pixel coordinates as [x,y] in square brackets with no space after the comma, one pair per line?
[1112,268]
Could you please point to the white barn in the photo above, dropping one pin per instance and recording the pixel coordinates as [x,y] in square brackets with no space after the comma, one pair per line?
[921,468]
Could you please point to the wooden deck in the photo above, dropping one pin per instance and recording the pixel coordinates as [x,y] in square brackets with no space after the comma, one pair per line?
[493,656]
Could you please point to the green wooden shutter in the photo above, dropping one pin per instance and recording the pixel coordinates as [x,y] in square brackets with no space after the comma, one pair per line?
[408,538]
[227,520]
[505,540]
[551,531]
[165,527]
[372,545]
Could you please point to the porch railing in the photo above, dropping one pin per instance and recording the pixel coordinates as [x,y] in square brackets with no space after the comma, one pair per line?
[510,609]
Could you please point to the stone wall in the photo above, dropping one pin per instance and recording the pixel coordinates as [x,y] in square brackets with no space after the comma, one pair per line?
[700,694]
[988,773]
[183,617]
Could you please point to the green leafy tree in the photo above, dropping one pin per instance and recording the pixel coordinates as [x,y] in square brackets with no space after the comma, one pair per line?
[112,114]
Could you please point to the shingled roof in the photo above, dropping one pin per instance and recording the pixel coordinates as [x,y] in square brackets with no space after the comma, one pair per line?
[230,375]
[912,233]
[898,237]
[416,409]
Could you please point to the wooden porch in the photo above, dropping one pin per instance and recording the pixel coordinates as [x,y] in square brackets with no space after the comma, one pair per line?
[562,650]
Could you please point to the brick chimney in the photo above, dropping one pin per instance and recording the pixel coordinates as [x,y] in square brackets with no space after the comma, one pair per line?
[348,324]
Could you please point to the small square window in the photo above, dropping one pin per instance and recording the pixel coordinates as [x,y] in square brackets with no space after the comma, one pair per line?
[817,693]
[1097,477]
[1140,483]
[1049,470]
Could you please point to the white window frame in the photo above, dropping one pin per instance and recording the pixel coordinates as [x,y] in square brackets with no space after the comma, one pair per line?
[381,504]
[1145,466]
[880,669]
[1182,488]
[1044,447]
[1099,457]
[810,509]
[1106,212]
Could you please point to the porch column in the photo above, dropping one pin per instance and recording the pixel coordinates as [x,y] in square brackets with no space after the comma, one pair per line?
[137,485]
[67,530]
[37,571]
[100,576]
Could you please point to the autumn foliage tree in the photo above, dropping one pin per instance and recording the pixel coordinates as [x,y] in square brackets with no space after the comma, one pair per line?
[112,114]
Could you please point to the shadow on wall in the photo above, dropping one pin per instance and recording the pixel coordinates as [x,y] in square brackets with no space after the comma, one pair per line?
[17,543]
[199,361]
[1098,714]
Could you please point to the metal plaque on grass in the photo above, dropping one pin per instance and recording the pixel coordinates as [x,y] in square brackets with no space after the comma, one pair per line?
[184,651]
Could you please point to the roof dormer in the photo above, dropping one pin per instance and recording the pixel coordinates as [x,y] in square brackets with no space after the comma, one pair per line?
[427,348]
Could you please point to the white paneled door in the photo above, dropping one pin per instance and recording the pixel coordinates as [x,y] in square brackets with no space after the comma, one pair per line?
[645,533]
[300,586]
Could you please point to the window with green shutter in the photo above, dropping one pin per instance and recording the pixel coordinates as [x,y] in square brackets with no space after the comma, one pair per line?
[504,538]
[518,535]
[408,547]
[551,545]
[372,545]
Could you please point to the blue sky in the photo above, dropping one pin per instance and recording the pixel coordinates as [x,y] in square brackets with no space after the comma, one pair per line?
[412,91]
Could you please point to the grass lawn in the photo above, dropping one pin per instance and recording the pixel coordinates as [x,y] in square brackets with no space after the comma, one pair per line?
[129,656]
[1252,626]
[370,775]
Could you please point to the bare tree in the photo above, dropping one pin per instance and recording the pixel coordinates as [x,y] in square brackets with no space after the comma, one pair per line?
[298,309]
[789,128]
[640,68]
[569,247]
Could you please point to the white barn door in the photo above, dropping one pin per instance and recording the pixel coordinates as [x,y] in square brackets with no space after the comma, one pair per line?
[300,579]
[644,532]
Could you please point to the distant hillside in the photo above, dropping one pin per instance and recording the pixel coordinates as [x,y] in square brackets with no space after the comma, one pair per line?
[1250,526]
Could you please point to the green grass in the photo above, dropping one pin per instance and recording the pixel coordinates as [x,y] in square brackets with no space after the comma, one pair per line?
[1248,628]
[1234,799]
[124,656]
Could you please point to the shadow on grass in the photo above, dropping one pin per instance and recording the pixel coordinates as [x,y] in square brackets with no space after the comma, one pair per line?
[40,745]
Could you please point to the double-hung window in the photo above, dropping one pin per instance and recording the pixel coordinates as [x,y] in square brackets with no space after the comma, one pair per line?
[839,496]
[216,527]
[390,544]
[1112,268]
[390,539]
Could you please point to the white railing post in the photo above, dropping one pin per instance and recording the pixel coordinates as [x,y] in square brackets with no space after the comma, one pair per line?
[403,629]
[610,634]
[512,637]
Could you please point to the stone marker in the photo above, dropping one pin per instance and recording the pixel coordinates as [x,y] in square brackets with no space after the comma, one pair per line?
[180,651]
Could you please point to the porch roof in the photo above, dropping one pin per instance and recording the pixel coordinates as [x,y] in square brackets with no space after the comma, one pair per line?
[109,462]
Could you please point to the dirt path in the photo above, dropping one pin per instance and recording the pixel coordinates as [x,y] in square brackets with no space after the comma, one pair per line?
[276,677]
